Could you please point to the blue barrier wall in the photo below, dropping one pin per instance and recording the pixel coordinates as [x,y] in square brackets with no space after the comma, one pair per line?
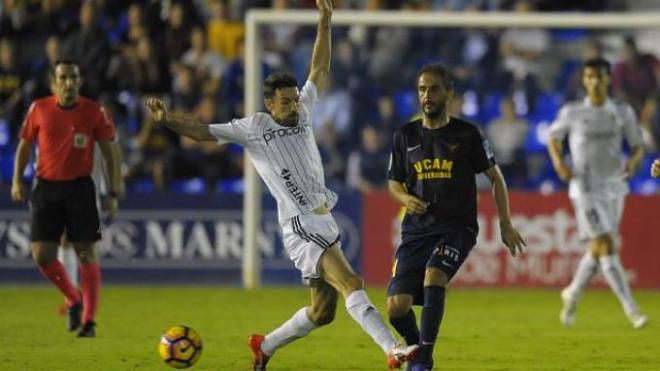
[177,238]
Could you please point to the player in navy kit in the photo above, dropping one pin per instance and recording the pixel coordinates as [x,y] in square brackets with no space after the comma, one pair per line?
[432,172]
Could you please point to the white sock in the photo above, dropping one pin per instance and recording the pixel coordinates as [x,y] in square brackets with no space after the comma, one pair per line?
[616,279]
[296,327]
[365,313]
[586,270]
[69,258]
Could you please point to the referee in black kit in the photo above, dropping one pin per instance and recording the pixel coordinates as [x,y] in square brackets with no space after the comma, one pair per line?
[432,172]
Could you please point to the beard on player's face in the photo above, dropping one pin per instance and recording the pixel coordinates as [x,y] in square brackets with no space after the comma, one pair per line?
[284,106]
[285,119]
[433,109]
[290,119]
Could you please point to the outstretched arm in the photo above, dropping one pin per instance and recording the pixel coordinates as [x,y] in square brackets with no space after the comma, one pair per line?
[179,125]
[320,66]
[510,235]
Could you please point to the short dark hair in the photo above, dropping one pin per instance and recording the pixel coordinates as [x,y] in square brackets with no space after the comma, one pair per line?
[440,70]
[62,61]
[278,80]
[597,63]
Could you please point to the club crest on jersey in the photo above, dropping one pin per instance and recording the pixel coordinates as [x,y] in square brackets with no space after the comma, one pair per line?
[452,147]
[79,140]
[271,134]
[292,187]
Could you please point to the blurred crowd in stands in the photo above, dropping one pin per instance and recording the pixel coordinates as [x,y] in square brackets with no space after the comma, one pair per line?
[509,81]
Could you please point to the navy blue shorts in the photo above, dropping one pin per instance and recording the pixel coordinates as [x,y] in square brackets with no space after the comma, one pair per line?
[446,252]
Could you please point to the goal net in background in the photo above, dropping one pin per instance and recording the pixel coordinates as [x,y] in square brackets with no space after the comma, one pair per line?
[512,72]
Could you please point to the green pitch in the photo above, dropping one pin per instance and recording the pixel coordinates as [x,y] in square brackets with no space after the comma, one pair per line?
[482,330]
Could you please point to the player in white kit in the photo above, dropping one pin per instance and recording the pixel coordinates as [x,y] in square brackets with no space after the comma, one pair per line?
[282,147]
[597,180]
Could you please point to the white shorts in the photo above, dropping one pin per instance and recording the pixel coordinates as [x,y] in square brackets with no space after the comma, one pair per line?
[598,214]
[306,237]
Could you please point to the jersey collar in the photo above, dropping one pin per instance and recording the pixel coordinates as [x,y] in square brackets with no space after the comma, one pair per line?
[609,104]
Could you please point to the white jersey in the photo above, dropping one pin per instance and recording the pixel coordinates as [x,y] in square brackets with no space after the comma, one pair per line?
[287,158]
[595,139]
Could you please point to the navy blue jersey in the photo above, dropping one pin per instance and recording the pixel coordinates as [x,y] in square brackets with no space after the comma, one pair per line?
[439,166]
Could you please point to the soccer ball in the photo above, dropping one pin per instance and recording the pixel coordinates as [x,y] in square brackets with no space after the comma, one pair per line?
[180,347]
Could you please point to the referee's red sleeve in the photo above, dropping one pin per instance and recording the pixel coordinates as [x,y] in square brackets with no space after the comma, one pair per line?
[105,127]
[29,128]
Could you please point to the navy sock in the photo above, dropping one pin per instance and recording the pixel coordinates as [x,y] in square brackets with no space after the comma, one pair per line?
[407,327]
[434,307]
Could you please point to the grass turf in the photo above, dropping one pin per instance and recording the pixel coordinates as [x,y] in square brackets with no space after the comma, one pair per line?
[482,330]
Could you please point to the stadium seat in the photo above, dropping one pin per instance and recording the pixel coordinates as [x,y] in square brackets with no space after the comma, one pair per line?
[544,178]
[6,166]
[145,185]
[566,72]
[642,182]
[566,35]
[546,186]
[545,111]
[470,107]
[405,103]
[5,137]
[645,186]
[490,108]
[193,186]
[235,149]
[546,107]
[537,137]
[235,185]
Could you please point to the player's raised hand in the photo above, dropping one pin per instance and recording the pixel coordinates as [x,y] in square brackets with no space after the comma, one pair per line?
[325,6]
[512,239]
[157,108]
[415,205]
[18,191]
[655,169]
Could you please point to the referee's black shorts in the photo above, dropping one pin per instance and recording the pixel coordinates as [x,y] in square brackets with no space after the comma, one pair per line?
[70,205]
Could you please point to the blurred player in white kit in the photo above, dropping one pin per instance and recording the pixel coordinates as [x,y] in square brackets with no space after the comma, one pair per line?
[597,181]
